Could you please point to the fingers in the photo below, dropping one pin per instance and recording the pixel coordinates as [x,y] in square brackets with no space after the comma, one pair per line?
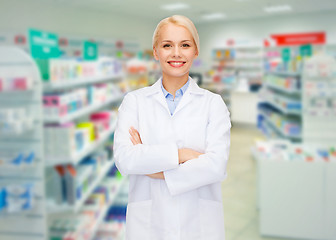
[158,175]
[186,154]
[135,136]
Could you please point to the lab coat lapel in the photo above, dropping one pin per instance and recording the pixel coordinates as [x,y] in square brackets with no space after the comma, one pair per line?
[155,91]
[188,95]
[184,101]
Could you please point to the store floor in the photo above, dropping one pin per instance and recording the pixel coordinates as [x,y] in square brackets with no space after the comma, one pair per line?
[239,189]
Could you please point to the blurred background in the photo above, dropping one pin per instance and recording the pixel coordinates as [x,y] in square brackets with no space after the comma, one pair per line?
[65,66]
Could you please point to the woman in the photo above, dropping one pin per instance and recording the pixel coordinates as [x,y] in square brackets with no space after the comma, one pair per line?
[175,158]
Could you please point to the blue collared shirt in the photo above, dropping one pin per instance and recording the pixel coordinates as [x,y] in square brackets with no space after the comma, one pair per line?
[171,101]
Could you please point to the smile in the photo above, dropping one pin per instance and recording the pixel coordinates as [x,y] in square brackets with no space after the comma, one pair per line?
[176,64]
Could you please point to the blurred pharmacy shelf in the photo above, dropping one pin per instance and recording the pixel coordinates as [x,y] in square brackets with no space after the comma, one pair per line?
[278,129]
[303,173]
[53,208]
[282,89]
[117,185]
[285,73]
[285,104]
[82,112]
[51,161]
[281,92]
[22,192]
[282,108]
[71,83]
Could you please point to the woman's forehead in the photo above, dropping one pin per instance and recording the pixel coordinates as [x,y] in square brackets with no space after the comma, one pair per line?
[171,32]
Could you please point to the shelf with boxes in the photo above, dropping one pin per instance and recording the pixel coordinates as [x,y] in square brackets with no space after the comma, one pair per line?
[286,104]
[78,142]
[71,72]
[115,220]
[22,194]
[81,186]
[76,149]
[116,185]
[286,127]
[245,61]
[80,82]
[280,112]
[303,172]
[86,223]
[67,106]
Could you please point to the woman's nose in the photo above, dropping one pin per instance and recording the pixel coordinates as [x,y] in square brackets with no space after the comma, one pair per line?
[176,52]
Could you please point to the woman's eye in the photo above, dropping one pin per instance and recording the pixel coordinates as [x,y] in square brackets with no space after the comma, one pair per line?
[166,45]
[185,45]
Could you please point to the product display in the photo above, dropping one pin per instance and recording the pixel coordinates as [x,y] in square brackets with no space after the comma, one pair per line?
[280,114]
[12,84]
[283,83]
[64,104]
[16,120]
[74,182]
[282,150]
[282,164]
[283,59]
[89,220]
[21,147]
[242,62]
[68,140]
[285,126]
[63,70]
[16,160]
[17,198]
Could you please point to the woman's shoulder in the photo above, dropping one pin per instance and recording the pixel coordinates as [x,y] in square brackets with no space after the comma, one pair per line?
[139,92]
[210,95]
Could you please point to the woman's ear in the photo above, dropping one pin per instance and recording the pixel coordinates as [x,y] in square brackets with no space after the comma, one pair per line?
[196,54]
[155,54]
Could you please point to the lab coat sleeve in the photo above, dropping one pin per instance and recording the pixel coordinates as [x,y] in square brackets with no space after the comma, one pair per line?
[211,166]
[140,158]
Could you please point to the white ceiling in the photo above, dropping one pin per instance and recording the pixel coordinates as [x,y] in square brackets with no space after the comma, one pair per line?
[233,9]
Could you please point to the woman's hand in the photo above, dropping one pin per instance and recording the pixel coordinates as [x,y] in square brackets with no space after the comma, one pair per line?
[186,154]
[135,136]
[158,175]
[136,139]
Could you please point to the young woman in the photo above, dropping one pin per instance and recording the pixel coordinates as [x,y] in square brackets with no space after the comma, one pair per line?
[173,140]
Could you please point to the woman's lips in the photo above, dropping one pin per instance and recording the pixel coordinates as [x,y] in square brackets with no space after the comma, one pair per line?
[176,64]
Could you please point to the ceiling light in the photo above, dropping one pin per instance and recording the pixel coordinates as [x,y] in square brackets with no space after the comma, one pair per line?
[174,6]
[214,16]
[278,8]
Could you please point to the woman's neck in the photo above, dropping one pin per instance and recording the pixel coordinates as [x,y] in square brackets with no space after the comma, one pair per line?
[172,84]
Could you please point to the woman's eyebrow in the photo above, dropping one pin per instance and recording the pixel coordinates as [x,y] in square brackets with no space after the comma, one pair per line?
[181,41]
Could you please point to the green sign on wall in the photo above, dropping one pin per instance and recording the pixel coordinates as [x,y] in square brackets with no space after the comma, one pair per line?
[286,54]
[90,50]
[43,45]
[306,50]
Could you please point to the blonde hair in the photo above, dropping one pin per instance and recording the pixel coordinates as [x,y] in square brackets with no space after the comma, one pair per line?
[178,20]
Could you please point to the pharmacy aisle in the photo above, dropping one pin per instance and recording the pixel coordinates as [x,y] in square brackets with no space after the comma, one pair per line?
[58,178]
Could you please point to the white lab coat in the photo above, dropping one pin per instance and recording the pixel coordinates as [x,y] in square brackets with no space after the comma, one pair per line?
[187,205]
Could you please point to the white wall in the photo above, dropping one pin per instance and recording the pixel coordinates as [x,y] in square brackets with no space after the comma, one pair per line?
[19,15]
[215,34]
[16,16]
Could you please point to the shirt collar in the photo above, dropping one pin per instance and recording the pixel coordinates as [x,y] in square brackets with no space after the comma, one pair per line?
[182,90]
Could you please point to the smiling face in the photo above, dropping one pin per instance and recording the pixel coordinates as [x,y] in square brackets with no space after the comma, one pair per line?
[176,50]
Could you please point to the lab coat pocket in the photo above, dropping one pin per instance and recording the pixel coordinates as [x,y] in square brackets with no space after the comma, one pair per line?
[212,219]
[194,135]
[138,220]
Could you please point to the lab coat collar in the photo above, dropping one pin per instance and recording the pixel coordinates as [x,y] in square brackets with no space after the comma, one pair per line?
[156,90]
[192,88]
